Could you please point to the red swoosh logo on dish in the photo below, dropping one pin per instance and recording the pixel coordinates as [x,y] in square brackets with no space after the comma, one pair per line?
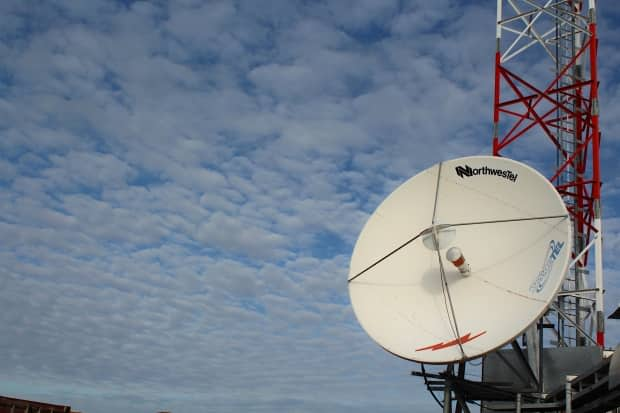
[439,346]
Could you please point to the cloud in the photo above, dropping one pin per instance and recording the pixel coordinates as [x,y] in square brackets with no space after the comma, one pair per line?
[181,186]
[228,233]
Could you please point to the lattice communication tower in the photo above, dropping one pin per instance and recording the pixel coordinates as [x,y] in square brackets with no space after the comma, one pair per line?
[546,110]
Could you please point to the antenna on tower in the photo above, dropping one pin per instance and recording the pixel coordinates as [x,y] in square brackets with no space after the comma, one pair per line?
[411,287]
[484,257]
[559,116]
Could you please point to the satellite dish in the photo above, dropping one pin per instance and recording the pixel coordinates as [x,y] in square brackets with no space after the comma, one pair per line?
[460,259]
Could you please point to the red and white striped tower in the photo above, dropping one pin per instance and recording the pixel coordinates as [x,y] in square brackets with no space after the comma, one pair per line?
[546,111]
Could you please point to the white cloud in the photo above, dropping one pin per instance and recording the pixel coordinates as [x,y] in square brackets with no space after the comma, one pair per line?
[181,186]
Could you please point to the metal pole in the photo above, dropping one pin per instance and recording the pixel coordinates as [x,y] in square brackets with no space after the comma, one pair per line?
[498,36]
[541,335]
[577,138]
[572,323]
[447,393]
[598,257]
[447,398]
[569,395]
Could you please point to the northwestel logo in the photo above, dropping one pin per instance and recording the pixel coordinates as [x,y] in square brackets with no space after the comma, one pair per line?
[467,171]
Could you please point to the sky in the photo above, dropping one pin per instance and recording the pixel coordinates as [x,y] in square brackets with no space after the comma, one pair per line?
[182,184]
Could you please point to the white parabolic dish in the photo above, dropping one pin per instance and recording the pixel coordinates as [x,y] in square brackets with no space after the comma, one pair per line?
[511,226]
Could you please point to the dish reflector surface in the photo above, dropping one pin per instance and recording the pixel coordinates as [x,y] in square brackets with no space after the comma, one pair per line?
[514,232]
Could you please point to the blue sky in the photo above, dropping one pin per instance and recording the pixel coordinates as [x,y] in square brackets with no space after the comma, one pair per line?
[181,185]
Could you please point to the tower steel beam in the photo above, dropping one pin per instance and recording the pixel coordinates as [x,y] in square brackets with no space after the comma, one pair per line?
[546,109]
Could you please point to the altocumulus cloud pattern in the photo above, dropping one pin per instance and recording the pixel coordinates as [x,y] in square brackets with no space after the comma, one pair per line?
[181,185]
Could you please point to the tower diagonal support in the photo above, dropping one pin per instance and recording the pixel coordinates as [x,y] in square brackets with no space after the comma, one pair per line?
[546,111]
